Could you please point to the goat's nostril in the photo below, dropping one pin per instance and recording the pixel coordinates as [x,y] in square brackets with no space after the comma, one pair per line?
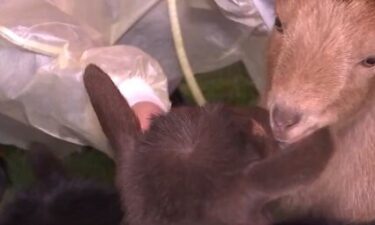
[284,118]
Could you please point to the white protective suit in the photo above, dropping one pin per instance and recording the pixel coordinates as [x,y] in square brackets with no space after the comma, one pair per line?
[45,45]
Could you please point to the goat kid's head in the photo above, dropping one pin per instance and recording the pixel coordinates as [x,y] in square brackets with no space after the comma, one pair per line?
[200,165]
[322,64]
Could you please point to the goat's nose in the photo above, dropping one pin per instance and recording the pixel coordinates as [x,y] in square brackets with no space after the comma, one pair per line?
[284,118]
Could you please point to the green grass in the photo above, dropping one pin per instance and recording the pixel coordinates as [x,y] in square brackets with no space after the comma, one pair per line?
[230,84]
[89,163]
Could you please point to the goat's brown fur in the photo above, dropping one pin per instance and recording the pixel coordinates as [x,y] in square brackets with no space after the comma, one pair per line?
[209,165]
[316,70]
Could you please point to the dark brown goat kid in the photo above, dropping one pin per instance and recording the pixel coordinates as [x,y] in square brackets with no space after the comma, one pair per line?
[209,165]
[322,73]
[56,198]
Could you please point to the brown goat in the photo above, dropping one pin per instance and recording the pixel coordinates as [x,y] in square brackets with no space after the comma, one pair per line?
[209,165]
[322,68]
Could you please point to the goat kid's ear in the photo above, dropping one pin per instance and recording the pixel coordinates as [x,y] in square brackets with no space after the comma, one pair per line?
[298,164]
[116,117]
[256,115]
[258,129]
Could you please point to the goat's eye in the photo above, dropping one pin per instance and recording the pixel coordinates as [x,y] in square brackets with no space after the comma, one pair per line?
[278,25]
[369,62]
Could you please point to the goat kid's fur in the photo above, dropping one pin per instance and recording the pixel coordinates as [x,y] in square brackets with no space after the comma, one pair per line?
[320,61]
[57,199]
[209,165]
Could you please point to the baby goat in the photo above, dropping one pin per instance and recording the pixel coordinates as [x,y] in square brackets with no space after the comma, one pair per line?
[322,74]
[203,166]
[56,199]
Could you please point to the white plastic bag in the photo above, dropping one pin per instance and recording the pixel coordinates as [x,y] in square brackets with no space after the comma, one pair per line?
[45,44]
[42,56]
[216,33]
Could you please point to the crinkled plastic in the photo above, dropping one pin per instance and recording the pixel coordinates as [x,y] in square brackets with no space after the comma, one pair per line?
[45,44]
[243,11]
[212,40]
[43,53]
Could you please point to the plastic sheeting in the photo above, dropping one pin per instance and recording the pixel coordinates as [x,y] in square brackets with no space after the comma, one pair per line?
[43,53]
[45,45]
[243,11]
[212,40]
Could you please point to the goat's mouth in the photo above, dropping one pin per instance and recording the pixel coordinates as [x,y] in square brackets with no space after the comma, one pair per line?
[294,134]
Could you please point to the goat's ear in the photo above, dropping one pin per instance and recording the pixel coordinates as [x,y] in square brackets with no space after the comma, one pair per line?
[47,169]
[294,166]
[256,117]
[118,121]
[257,127]
[260,130]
